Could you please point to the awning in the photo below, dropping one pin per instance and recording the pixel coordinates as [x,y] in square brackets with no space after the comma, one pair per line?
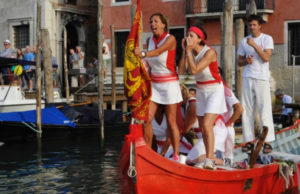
[50,116]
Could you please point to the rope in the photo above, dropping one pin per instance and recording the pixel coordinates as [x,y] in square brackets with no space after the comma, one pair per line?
[30,127]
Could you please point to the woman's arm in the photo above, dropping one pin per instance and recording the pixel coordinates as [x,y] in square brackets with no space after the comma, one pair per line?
[182,65]
[169,44]
[190,117]
[238,110]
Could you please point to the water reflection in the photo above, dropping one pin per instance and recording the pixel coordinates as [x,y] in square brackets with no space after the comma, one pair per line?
[76,165]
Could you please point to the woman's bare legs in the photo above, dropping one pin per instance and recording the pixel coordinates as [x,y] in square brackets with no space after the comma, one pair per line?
[207,124]
[171,110]
[148,131]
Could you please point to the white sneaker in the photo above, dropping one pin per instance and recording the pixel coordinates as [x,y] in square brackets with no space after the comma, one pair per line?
[209,164]
[1,143]
[199,165]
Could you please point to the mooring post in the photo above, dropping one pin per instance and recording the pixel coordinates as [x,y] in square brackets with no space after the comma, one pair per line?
[38,72]
[100,73]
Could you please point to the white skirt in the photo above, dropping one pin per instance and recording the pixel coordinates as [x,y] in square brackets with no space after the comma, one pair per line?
[166,92]
[210,99]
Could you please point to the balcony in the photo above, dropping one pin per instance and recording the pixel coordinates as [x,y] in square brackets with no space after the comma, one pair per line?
[214,8]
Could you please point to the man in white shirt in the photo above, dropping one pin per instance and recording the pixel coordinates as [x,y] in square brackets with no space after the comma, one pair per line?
[254,53]
[80,55]
[6,53]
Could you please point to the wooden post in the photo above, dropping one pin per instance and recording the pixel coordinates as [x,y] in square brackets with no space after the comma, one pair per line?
[66,71]
[48,67]
[133,9]
[100,72]
[226,60]
[113,68]
[38,71]
[250,9]
[293,78]
[239,35]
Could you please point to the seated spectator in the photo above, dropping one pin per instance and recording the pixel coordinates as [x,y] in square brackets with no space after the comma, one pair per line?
[224,136]
[285,117]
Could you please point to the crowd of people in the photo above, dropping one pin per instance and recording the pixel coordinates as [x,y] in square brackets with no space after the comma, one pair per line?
[27,76]
[210,110]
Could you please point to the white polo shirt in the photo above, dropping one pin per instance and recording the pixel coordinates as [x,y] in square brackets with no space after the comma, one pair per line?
[258,69]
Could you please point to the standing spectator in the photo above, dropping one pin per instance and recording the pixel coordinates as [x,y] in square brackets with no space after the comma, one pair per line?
[29,56]
[54,67]
[106,56]
[254,53]
[80,63]
[286,113]
[6,53]
[20,56]
[73,59]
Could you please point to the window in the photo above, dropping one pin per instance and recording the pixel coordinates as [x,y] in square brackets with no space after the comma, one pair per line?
[179,34]
[73,2]
[293,42]
[260,4]
[121,38]
[21,36]
[215,5]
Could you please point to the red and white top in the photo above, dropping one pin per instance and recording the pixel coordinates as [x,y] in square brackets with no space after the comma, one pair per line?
[165,84]
[210,74]
[163,67]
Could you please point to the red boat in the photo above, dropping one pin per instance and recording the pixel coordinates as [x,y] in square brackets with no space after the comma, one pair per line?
[151,173]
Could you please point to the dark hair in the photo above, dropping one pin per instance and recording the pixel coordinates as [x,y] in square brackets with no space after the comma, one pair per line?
[162,18]
[256,18]
[205,35]
[192,89]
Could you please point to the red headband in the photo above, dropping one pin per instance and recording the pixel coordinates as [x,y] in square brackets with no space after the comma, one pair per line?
[199,32]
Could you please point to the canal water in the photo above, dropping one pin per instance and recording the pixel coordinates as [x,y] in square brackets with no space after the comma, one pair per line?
[74,164]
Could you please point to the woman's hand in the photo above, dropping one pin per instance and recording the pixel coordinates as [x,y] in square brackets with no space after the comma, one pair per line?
[138,52]
[183,44]
[189,44]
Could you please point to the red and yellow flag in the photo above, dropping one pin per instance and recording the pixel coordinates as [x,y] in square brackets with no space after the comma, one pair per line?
[137,82]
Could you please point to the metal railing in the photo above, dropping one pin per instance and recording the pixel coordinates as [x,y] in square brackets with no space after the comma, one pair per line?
[213,6]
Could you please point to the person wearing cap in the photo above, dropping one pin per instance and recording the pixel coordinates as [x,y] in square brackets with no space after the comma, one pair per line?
[286,113]
[6,53]
[160,56]
[255,53]
[201,61]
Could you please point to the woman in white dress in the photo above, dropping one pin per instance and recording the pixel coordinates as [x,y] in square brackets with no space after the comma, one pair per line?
[201,61]
[160,56]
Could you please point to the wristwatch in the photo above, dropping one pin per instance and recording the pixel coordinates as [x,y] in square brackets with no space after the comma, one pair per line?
[143,54]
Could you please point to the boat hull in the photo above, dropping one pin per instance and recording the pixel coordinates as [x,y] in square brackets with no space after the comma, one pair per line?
[156,174]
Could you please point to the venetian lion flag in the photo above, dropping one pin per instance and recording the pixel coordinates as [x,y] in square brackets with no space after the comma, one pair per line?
[137,82]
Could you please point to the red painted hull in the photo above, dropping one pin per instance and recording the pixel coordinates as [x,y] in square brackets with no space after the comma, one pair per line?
[156,174]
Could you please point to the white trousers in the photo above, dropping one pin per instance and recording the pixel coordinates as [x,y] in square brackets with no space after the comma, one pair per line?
[256,93]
